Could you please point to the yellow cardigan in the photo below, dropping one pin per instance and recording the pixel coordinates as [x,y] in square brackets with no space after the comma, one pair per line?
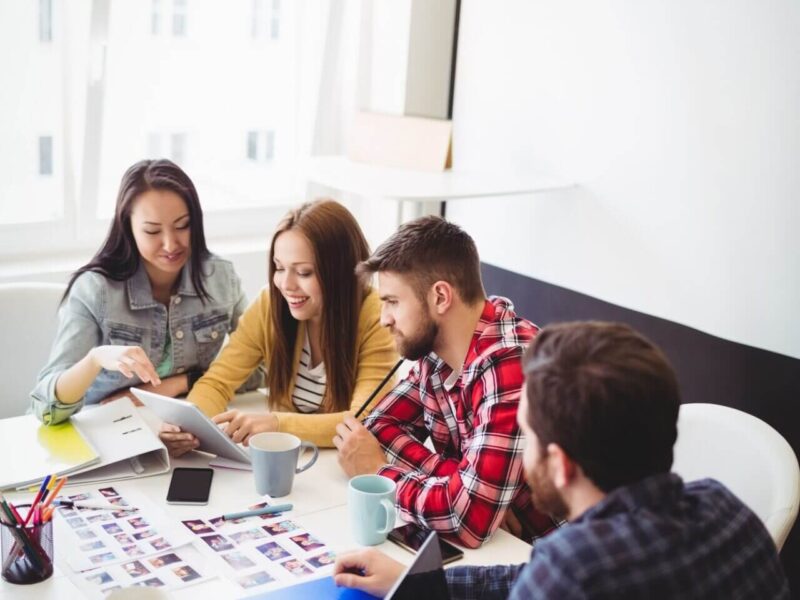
[250,344]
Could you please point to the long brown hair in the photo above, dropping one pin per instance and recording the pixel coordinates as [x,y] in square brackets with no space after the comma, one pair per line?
[338,245]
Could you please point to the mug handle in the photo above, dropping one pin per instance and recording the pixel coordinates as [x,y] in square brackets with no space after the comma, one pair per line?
[391,516]
[307,446]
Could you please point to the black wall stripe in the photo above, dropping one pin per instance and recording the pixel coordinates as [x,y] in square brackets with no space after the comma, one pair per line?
[709,368]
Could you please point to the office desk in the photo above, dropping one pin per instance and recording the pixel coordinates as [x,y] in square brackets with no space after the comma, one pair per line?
[319,496]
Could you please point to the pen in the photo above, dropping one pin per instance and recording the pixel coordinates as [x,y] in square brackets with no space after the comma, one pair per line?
[93,505]
[54,492]
[267,510]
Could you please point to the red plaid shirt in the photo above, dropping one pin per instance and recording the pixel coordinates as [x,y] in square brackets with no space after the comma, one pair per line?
[463,489]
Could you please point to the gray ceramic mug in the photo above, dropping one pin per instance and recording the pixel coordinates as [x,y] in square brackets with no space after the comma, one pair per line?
[274,458]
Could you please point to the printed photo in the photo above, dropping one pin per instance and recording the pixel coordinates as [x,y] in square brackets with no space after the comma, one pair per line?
[95,545]
[164,559]
[248,535]
[133,551]
[152,582]
[186,573]
[280,527]
[124,514]
[76,522]
[108,492]
[307,542]
[217,543]
[297,567]
[140,535]
[99,559]
[99,517]
[78,497]
[85,534]
[273,551]
[238,561]
[138,522]
[160,544]
[198,526]
[112,528]
[123,538]
[264,505]
[67,512]
[322,560]
[255,579]
[101,578]
[219,522]
[135,568]
[118,501]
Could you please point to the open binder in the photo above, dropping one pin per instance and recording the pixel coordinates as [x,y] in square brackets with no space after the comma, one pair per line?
[107,443]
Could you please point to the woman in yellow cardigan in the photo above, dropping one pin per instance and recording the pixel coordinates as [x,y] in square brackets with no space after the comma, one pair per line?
[316,328]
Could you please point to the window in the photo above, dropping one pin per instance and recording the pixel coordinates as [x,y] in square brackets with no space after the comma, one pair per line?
[45,155]
[240,118]
[45,20]
[155,17]
[179,17]
[261,145]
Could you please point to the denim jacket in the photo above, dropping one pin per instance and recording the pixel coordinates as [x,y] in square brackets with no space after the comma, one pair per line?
[100,311]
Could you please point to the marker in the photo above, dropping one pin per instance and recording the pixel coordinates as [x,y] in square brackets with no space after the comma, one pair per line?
[267,510]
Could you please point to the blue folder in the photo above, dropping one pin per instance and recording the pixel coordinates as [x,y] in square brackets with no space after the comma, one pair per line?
[318,588]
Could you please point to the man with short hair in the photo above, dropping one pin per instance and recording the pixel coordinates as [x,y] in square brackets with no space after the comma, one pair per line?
[599,413]
[462,392]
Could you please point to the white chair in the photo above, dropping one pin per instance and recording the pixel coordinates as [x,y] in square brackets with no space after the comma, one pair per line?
[741,451]
[28,320]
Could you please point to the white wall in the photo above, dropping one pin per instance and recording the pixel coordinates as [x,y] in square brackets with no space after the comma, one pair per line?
[679,121]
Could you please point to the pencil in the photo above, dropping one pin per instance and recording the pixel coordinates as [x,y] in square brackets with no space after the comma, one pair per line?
[54,492]
[380,387]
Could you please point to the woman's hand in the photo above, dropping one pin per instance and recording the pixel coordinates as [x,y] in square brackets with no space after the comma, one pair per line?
[128,360]
[177,442]
[240,426]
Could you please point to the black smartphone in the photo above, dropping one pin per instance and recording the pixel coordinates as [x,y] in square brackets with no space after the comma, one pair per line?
[411,537]
[190,486]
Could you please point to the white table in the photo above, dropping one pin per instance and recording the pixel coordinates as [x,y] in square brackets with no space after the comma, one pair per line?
[319,496]
[418,187]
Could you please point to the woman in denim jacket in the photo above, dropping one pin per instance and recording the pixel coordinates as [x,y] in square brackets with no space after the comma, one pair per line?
[151,309]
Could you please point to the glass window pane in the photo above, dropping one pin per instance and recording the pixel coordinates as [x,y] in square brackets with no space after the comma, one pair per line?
[45,20]
[45,155]
[211,97]
[31,117]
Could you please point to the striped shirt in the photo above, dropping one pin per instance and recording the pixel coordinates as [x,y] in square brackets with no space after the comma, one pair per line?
[309,384]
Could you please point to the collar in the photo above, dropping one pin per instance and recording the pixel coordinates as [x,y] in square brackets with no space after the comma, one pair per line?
[140,292]
[663,489]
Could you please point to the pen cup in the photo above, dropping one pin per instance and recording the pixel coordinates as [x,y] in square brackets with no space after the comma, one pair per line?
[26,552]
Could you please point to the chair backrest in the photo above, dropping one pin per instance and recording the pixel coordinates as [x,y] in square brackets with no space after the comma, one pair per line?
[28,320]
[741,451]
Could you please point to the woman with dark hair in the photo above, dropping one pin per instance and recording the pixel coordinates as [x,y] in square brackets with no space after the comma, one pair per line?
[317,329]
[151,308]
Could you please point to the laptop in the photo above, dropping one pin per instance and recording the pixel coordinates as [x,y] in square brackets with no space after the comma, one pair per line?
[190,418]
[423,578]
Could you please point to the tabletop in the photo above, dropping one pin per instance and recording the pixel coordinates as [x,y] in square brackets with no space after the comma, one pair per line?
[319,497]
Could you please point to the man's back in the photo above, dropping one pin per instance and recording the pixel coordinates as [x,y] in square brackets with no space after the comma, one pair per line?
[658,538]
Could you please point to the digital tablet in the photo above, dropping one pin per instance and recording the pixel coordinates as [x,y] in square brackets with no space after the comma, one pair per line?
[191,419]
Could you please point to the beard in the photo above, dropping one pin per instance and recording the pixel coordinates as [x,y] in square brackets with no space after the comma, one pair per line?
[546,498]
[420,343]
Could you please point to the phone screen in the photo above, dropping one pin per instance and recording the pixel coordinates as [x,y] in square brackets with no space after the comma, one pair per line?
[412,537]
[190,486]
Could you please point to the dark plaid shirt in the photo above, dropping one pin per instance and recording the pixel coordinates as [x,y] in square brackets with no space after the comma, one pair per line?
[657,538]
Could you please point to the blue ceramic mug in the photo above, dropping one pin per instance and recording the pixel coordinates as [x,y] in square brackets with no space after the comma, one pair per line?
[372,512]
